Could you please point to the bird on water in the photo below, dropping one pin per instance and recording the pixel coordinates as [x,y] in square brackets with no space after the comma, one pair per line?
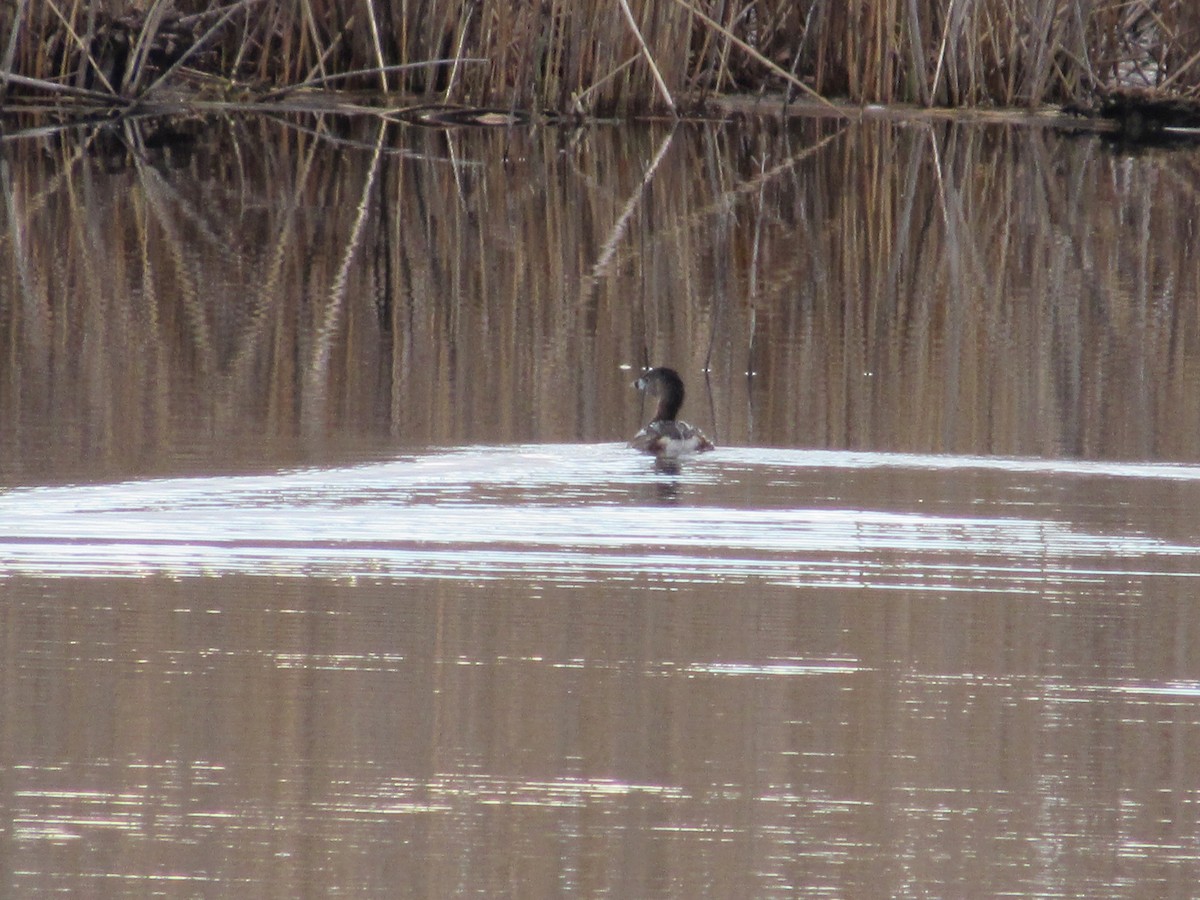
[666,436]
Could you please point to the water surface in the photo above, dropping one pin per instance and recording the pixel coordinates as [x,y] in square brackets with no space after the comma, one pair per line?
[324,567]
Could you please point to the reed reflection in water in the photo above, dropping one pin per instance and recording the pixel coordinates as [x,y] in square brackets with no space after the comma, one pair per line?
[980,290]
[323,567]
[544,670]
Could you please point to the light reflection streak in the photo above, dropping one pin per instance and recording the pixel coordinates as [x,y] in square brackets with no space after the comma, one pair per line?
[778,668]
[567,515]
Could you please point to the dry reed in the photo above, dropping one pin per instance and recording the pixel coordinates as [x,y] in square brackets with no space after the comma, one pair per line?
[605,56]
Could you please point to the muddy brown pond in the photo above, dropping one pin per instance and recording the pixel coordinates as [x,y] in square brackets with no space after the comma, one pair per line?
[325,569]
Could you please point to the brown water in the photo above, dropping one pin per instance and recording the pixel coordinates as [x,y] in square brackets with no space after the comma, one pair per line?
[324,569]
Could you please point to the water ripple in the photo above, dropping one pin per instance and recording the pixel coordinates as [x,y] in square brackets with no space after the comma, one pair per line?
[577,514]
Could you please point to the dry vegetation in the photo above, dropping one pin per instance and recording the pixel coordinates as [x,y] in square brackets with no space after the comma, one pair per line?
[600,57]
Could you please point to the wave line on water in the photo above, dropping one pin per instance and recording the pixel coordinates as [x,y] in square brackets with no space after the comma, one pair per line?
[561,514]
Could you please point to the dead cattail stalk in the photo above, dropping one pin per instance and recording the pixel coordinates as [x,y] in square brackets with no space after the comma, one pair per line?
[382,66]
[776,69]
[54,87]
[637,34]
[577,99]
[84,46]
[1178,73]
[213,30]
[358,73]
[458,52]
[941,54]
[310,26]
[916,47]
[141,48]
[10,51]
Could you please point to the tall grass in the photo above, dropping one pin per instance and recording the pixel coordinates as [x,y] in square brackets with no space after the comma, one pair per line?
[606,56]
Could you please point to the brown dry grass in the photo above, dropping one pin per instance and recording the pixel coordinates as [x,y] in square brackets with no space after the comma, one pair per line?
[602,57]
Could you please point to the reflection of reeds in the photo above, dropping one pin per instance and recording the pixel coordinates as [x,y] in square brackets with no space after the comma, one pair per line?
[605,57]
[982,289]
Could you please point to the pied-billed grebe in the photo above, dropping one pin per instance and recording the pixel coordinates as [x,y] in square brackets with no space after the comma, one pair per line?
[665,435]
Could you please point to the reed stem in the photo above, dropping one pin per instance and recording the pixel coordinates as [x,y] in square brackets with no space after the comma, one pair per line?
[572,57]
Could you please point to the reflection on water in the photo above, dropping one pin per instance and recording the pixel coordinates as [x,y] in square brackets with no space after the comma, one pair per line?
[975,290]
[853,673]
[579,514]
[324,568]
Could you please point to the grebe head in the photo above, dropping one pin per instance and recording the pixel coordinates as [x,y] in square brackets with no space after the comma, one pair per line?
[667,386]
